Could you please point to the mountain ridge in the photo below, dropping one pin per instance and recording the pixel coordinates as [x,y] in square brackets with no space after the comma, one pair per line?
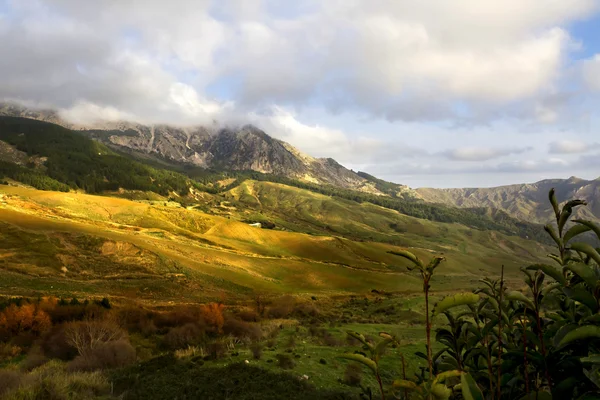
[234,148]
[525,201]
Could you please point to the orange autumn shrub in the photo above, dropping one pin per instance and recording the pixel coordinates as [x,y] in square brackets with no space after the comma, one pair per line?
[30,318]
[213,315]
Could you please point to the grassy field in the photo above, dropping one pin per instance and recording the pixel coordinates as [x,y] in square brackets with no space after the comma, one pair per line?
[73,243]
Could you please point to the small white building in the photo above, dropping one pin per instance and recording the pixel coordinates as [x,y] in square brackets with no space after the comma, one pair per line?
[256,225]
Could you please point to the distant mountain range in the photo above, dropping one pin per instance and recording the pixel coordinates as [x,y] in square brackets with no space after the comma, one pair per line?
[249,148]
[243,148]
[528,201]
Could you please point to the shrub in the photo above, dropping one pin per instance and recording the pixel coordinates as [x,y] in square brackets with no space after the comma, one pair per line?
[113,354]
[213,316]
[56,345]
[179,316]
[8,351]
[256,349]
[284,361]
[136,319]
[80,312]
[241,329]
[184,336]
[9,380]
[51,381]
[284,307]
[35,358]
[85,336]
[307,310]
[248,316]
[15,320]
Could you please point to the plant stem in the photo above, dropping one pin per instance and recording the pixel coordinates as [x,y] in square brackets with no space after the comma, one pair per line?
[525,361]
[404,375]
[428,328]
[499,360]
[380,385]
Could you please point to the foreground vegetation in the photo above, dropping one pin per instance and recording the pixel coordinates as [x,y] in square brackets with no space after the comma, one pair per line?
[539,343]
[535,340]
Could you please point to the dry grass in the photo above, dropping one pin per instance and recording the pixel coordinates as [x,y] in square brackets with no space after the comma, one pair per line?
[52,381]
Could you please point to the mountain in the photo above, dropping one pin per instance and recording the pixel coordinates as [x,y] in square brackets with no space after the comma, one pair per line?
[524,201]
[242,148]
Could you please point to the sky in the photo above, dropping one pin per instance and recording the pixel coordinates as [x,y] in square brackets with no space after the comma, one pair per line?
[428,93]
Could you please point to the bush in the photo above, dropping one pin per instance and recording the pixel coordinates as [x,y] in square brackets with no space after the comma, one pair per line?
[9,380]
[35,358]
[307,310]
[353,374]
[284,307]
[8,351]
[213,316]
[15,320]
[183,336]
[70,313]
[137,319]
[51,381]
[179,316]
[114,354]
[248,316]
[241,329]
[284,361]
[256,349]
[86,336]
[56,345]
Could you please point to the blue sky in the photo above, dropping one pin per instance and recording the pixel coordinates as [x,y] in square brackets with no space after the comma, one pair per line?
[464,93]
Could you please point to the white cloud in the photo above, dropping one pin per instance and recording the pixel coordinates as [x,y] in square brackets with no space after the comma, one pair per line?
[591,72]
[444,74]
[571,147]
[482,153]
[390,58]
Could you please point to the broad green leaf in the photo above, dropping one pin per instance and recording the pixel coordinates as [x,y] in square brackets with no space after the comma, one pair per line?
[518,296]
[460,299]
[381,346]
[470,390]
[594,359]
[409,256]
[548,228]
[440,392]
[574,231]
[361,359]
[360,337]
[566,212]
[554,202]
[440,378]
[562,332]
[556,258]
[581,295]
[581,333]
[548,288]
[585,272]
[435,261]
[404,384]
[587,250]
[550,271]
[591,225]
